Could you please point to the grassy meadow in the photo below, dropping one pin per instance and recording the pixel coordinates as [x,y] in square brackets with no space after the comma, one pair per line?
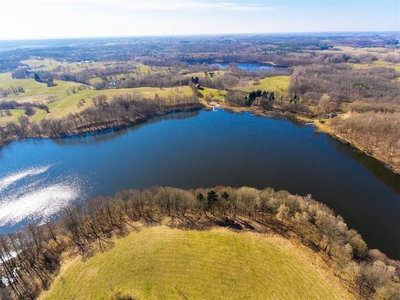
[278,84]
[34,91]
[51,64]
[377,64]
[164,263]
[216,94]
[203,74]
[65,100]
[15,114]
[63,107]
[46,64]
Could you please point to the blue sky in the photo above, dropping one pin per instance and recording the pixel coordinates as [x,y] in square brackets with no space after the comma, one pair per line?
[34,19]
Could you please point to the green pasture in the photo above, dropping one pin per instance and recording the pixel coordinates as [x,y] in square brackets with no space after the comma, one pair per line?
[376,64]
[202,74]
[67,104]
[47,64]
[145,69]
[216,94]
[95,80]
[34,91]
[15,114]
[277,84]
[51,64]
[164,263]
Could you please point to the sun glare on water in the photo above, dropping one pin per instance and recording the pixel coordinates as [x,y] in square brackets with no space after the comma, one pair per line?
[25,197]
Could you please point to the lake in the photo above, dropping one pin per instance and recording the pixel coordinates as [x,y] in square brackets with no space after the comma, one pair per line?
[253,67]
[39,177]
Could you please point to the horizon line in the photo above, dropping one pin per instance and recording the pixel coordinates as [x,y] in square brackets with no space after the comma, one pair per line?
[326,33]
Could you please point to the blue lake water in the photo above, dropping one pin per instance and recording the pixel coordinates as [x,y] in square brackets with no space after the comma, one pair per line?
[39,177]
[250,66]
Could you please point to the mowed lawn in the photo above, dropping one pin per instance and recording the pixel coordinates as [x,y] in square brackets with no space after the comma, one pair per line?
[164,263]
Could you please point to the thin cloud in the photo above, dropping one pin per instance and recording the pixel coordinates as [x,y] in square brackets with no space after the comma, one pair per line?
[182,5]
[154,4]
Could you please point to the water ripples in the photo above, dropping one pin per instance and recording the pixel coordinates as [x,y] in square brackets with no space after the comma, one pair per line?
[24,197]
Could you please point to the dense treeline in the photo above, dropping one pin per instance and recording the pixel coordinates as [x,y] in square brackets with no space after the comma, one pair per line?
[369,97]
[264,99]
[345,84]
[377,134]
[15,90]
[30,258]
[119,111]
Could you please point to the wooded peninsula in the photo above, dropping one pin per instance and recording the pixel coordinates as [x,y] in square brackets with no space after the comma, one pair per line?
[308,225]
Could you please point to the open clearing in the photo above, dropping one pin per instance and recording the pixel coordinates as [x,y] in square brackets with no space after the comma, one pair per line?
[164,263]
[63,107]
[277,84]
[73,67]
[216,94]
[34,91]
[46,64]
[377,64]
[65,101]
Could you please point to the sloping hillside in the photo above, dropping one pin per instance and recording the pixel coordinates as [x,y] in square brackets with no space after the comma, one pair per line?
[164,263]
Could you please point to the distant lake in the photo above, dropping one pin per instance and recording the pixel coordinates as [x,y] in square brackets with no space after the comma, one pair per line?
[39,177]
[251,67]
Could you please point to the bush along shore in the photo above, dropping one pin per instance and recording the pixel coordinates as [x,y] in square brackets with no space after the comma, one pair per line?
[31,258]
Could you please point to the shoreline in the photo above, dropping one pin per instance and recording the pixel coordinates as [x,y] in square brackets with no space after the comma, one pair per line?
[101,128]
[318,126]
[326,129]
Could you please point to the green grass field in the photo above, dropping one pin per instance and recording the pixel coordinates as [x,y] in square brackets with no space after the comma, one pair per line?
[45,64]
[202,74]
[216,95]
[164,263]
[51,64]
[66,100]
[278,84]
[15,114]
[34,91]
[376,64]
[66,105]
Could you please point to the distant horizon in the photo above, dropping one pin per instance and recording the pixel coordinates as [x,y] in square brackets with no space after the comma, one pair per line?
[294,33]
[67,19]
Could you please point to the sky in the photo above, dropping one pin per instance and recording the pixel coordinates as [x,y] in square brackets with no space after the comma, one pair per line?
[42,19]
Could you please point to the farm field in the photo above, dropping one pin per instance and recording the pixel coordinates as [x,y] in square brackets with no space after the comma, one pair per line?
[377,64]
[164,263]
[67,97]
[277,84]
[34,91]
[63,107]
